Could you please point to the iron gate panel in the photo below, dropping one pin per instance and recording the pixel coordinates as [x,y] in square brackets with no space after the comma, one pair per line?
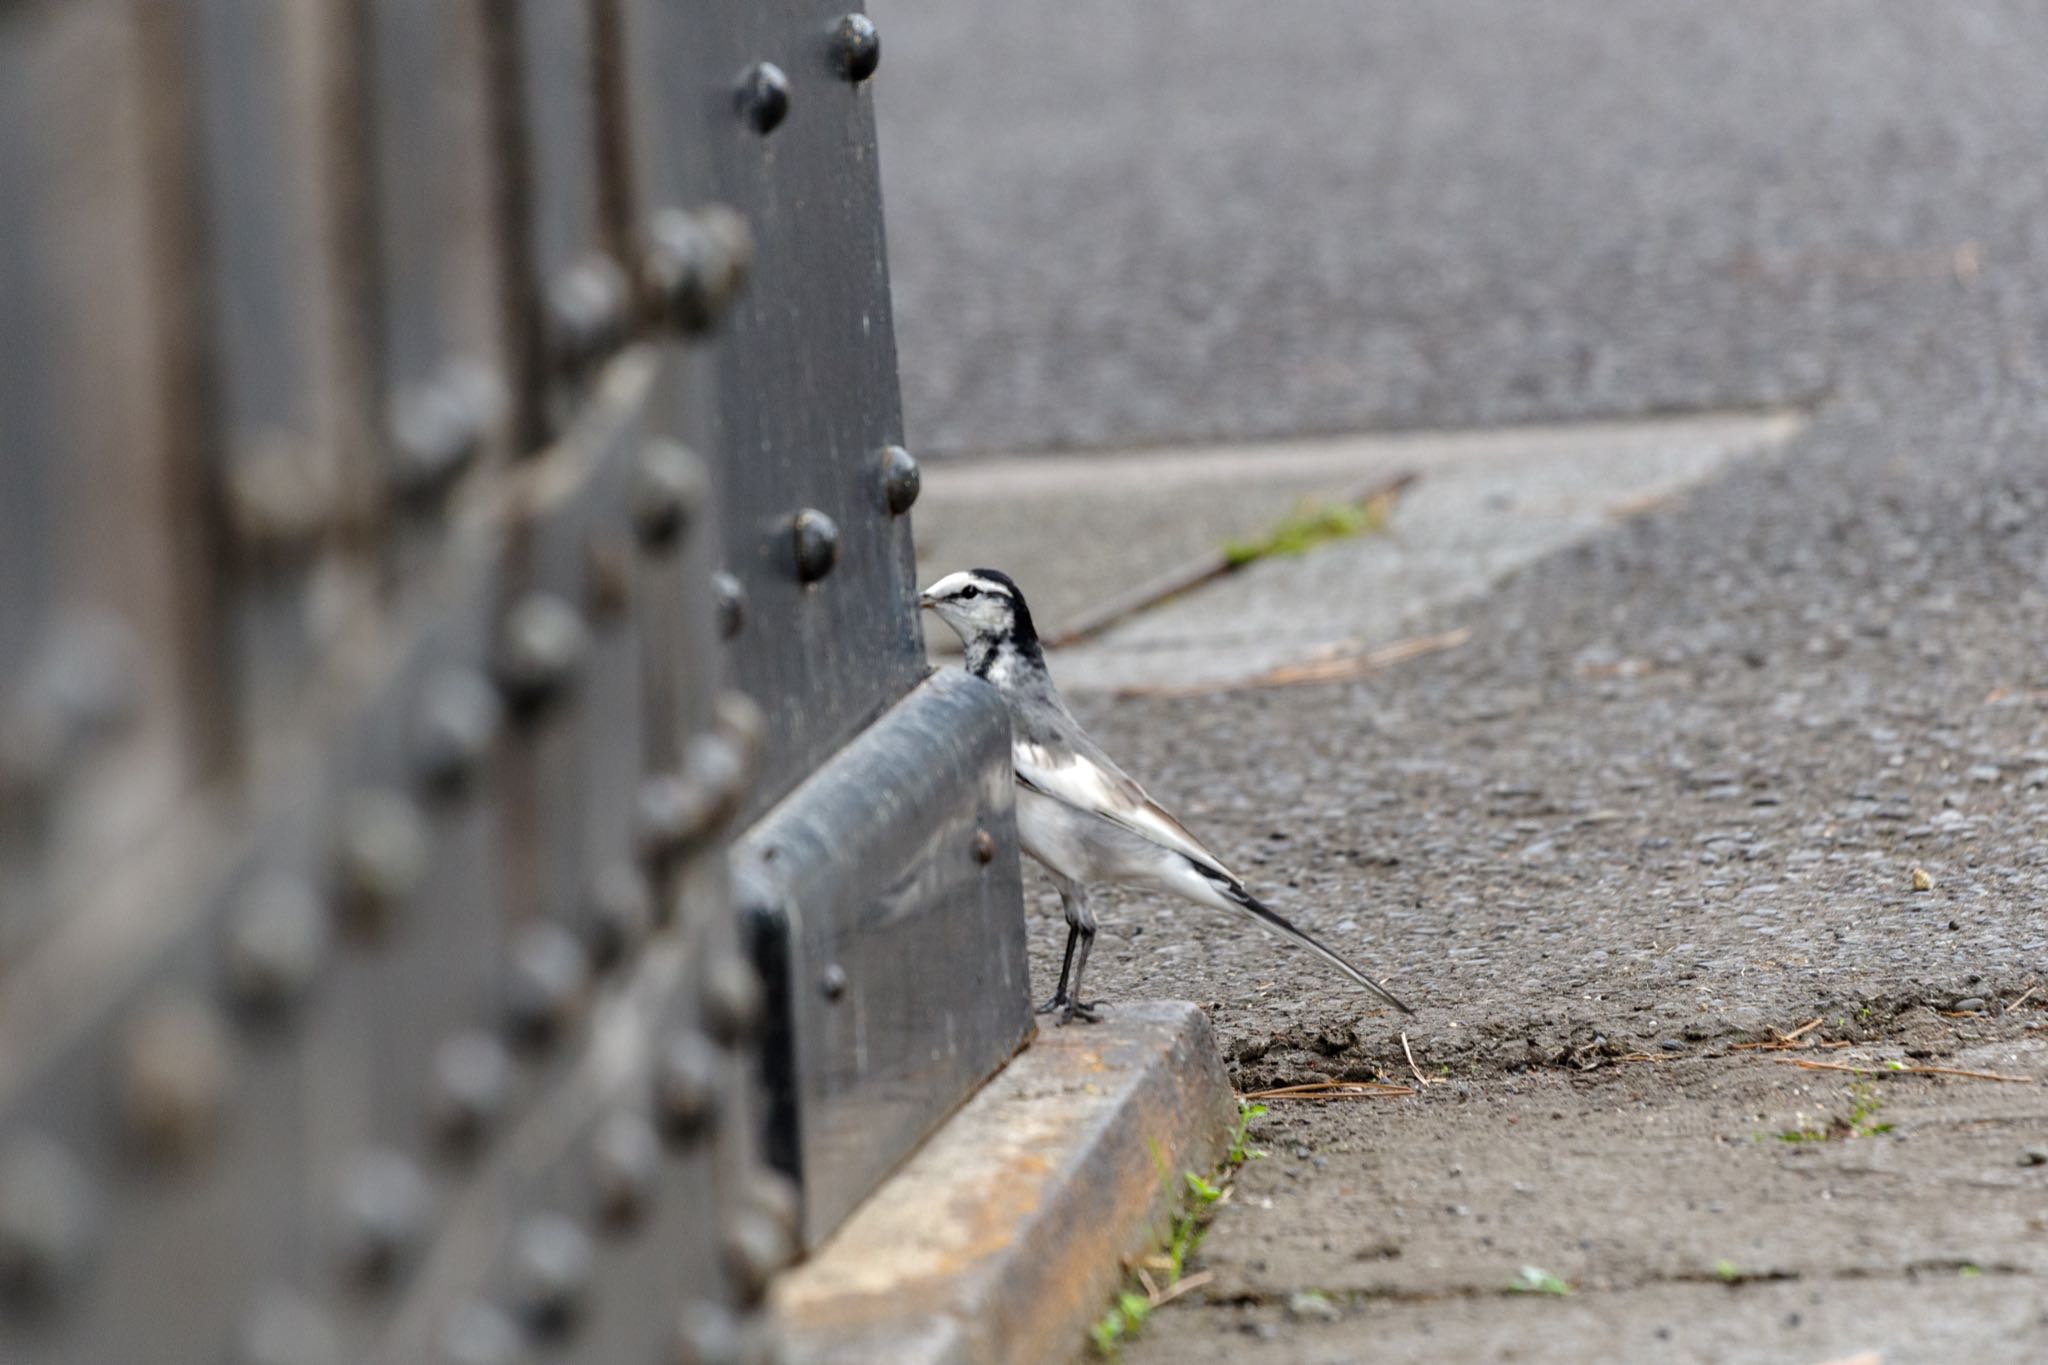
[321,1111]
[762,109]
[387,956]
[806,407]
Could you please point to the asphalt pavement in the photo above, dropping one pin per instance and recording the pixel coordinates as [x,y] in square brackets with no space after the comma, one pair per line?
[1773,751]
[1168,219]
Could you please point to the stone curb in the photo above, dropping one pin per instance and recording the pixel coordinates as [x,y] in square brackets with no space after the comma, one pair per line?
[1003,1238]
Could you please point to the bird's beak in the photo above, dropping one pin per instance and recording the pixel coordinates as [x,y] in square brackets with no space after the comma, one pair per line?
[926,601]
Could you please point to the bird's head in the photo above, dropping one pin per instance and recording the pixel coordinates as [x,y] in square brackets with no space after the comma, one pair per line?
[983,607]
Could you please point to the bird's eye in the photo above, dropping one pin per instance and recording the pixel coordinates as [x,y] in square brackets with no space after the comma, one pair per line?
[969,591]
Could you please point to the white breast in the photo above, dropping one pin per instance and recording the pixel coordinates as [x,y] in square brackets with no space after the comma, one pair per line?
[1057,835]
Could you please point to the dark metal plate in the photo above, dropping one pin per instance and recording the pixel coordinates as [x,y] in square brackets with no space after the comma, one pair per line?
[805,397]
[883,903]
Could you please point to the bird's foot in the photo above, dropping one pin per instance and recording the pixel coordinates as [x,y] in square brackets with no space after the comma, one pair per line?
[1053,1006]
[1087,1011]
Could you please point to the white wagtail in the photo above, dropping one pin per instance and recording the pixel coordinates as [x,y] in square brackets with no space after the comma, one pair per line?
[1077,812]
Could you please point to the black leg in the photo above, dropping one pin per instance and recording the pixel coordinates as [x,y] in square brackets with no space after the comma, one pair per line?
[1077,1008]
[1059,997]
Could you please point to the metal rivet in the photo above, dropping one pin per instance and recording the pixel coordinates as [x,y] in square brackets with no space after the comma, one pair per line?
[386,1206]
[673,813]
[730,598]
[709,1334]
[762,96]
[382,858]
[695,265]
[625,1166]
[470,1089]
[776,1195]
[816,538]
[733,999]
[287,1328]
[607,575]
[669,489]
[753,1248]
[832,981]
[741,719]
[542,643]
[619,914]
[588,312]
[717,761]
[984,846]
[278,501]
[550,1273]
[81,687]
[458,720]
[901,479]
[173,1072]
[676,812]
[856,47]
[545,977]
[437,429]
[478,1334]
[276,940]
[687,1077]
[49,1222]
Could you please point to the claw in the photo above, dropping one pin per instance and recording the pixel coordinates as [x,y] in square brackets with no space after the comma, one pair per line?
[1085,1011]
[1052,1006]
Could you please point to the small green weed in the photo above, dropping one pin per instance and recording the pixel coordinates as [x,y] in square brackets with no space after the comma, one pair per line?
[1199,1197]
[1537,1280]
[1241,1149]
[1863,1108]
[1861,1122]
[1727,1272]
[1313,522]
[1120,1323]
[1801,1134]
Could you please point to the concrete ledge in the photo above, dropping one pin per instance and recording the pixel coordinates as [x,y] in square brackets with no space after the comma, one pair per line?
[1004,1236]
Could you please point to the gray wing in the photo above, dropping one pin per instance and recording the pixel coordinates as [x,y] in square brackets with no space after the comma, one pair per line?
[1078,773]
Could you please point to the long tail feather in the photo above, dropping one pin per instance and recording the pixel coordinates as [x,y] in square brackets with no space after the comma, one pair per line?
[1279,923]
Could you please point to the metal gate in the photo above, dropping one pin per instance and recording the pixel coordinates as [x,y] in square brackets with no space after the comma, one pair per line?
[481,867]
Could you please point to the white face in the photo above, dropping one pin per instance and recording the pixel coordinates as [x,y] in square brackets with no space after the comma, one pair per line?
[975,607]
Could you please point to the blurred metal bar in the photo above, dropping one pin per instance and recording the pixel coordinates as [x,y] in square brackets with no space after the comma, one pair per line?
[420,555]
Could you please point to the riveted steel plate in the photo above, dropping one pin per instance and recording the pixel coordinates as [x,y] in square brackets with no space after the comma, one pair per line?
[291,464]
[803,391]
[372,986]
[108,704]
[324,1068]
[892,935]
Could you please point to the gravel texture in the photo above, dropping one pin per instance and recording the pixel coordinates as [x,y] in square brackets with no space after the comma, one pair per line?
[1676,789]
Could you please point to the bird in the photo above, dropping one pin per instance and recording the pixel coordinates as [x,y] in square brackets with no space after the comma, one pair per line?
[1078,814]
